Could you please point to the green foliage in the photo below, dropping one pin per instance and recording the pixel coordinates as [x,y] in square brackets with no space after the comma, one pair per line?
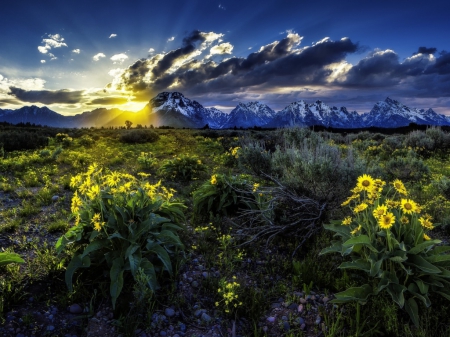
[124,225]
[222,194]
[15,140]
[139,136]
[387,239]
[147,160]
[8,258]
[183,167]
[86,141]
[254,157]
[408,168]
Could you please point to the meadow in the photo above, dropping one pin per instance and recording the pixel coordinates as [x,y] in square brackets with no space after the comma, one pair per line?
[286,232]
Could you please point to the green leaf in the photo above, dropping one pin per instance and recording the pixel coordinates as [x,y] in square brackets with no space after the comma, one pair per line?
[396,291]
[422,246]
[343,231]
[336,247]
[131,249]
[421,285]
[423,264]
[413,289]
[74,264]
[149,270]
[354,294]
[413,311]
[135,262]
[442,260]
[93,246]
[360,264]
[161,253]
[116,275]
[7,258]
[398,256]
[375,267]
[360,239]
[444,294]
[439,250]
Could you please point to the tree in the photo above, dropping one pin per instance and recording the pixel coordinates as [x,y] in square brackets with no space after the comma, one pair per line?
[128,124]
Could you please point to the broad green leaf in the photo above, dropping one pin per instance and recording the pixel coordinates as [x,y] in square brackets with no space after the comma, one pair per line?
[357,264]
[343,231]
[131,249]
[362,240]
[439,250]
[161,253]
[93,246]
[398,256]
[396,291]
[7,258]
[336,247]
[441,260]
[149,270]
[116,275]
[74,264]
[375,268]
[413,311]
[422,246]
[423,264]
[444,294]
[414,289]
[354,294]
[135,262]
[421,285]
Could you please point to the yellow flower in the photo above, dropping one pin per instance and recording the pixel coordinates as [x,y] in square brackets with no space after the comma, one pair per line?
[404,220]
[426,237]
[113,179]
[92,168]
[379,211]
[94,191]
[353,232]
[426,222]
[387,220]
[74,181]
[399,187]
[214,179]
[255,187]
[365,182]
[391,203]
[408,206]
[96,218]
[346,202]
[361,207]
[347,221]
[76,203]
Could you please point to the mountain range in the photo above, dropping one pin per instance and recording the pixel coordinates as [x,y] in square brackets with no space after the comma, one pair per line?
[176,110]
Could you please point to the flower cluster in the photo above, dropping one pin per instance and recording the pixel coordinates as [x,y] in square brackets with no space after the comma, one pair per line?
[229,293]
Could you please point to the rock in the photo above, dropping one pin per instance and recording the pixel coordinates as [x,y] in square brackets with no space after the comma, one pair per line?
[205,274]
[199,312]
[300,308]
[194,284]
[293,306]
[50,328]
[206,317]
[286,326]
[55,198]
[303,301]
[300,320]
[75,309]
[325,299]
[303,326]
[182,327]
[169,312]
[163,333]
[275,305]
[271,319]
[318,320]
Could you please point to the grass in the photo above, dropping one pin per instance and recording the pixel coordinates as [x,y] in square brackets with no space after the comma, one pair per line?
[265,272]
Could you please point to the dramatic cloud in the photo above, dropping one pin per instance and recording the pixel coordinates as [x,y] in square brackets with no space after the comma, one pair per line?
[98,56]
[151,50]
[118,58]
[171,39]
[54,41]
[425,50]
[280,63]
[108,101]
[112,36]
[76,51]
[46,96]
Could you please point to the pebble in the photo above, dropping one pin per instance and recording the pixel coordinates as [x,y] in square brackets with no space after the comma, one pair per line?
[194,284]
[286,326]
[271,319]
[55,198]
[199,312]
[206,317]
[300,308]
[325,299]
[182,327]
[75,309]
[275,305]
[50,328]
[205,274]
[163,333]
[169,312]
[284,318]
[318,320]
[293,306]
[300,320]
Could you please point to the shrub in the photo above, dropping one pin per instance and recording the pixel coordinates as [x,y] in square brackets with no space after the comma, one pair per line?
[387,238]
[222,194]
[124,225]
[22,140]
[254,157]
[44,153]
[139,136]
[184,167]
[408,168]
[86,141]
[147,160]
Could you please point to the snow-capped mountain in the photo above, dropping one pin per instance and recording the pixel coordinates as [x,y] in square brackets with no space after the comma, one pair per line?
[249,115]
[391,113]
[317,113]
[174,109]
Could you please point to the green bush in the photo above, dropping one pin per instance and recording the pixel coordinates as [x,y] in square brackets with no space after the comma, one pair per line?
[123,225]
[139,136]
[184,167]
[387,238]
[222,194]
[254,157]
[16,140]
[408,168]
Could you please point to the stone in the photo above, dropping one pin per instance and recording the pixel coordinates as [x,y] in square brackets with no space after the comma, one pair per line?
[205,274]
[293,306]
[300,320]
[318,320]
[50,328]
[182,327]
[169,312]
[325,299]
[206,317]
[163,333]
[271,319]
[75,309]
[194,284]
[199,312]
[275,305]
[55,198]
[286,326]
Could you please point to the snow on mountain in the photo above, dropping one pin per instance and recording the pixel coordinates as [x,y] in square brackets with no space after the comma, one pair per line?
[391,113]
[215,118]
[249,115]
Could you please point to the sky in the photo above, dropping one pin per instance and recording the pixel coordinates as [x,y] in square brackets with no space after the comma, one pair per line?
[79,55]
